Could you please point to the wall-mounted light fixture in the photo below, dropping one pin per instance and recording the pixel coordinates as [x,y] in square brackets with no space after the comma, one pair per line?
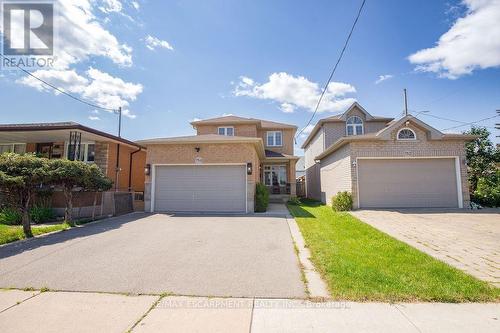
[317,161]
[197,149]
[147,169]
[249,168]
[354,164]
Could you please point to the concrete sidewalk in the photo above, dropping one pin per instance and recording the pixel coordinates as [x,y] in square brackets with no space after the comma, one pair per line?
[29,311]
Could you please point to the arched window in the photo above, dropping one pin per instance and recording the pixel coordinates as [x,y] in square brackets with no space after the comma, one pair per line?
[354,126]
[406,134]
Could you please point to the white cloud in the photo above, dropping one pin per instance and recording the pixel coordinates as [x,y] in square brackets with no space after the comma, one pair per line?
[94,118]
[153,43]
[307,130]
[383,78]
[97,87]
[110,6]
[136,5]
[296,92]
[80,37]
[472,42]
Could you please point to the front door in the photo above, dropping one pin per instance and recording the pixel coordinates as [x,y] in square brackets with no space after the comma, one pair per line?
[275,178]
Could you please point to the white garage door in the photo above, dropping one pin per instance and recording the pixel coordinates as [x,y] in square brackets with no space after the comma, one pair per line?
[200,188]
[406,183]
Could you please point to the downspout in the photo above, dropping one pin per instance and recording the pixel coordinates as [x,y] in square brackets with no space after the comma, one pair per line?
[117,168]
[130,169]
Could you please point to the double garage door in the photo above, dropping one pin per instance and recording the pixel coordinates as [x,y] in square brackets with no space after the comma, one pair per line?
[200,188]
[407,183]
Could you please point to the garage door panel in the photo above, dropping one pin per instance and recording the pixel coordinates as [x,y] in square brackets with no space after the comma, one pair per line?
[200,188]
[393,183]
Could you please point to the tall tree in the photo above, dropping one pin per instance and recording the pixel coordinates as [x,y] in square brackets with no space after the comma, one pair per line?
[20,176]
[482,156]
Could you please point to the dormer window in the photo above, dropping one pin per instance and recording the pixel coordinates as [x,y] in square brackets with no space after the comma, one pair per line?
[406,134]
[227,131]
[354,126]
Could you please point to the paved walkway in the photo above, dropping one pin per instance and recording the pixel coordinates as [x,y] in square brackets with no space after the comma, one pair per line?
[23,311]
[467,240]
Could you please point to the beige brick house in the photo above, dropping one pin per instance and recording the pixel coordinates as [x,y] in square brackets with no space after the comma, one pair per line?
[217,169]
[386,163]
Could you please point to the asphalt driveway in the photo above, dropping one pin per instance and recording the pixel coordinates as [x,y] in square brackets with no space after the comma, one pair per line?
[239,256]
[468,240]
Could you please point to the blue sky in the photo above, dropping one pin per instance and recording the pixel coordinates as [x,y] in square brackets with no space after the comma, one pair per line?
[259,59]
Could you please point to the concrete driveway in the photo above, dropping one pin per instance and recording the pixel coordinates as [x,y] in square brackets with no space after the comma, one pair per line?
[467,240]
[188,255]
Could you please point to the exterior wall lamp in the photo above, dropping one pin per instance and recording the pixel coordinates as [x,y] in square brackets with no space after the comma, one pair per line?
[197,149]
[147,169]
[249,168]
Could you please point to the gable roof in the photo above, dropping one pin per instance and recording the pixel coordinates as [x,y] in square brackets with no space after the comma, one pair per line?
[385,134]
[233,120]
[62,126]
[340,118]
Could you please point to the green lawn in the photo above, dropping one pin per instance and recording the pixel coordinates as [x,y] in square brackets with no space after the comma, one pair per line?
[361,263]
[11,233]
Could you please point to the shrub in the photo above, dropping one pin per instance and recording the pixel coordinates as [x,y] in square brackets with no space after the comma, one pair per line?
[261,198]
[40,214]
[294,201]
[10,216]
[342,201]
[487,192]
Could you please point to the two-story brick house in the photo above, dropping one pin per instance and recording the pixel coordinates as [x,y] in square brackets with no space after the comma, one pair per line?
[385,163]
[217,169]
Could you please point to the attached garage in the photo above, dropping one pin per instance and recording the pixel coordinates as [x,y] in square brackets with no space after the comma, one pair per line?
[199,188]
[408,183]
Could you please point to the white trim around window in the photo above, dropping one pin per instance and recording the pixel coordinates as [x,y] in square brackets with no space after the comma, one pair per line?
[409,131]
[225,130]
[88,151]
[13,148]
[274,139]
[354,126]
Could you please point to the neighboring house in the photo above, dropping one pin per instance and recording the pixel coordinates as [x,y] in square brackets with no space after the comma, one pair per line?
[386,163]
[300,168]
[217,169]
[74,141]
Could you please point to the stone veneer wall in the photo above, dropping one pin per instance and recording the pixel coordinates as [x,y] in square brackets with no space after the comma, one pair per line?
[101,155]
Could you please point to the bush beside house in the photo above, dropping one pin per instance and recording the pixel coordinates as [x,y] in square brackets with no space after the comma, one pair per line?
[261,198]
[342,201]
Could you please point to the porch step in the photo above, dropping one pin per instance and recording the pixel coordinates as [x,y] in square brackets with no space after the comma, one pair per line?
[279,198]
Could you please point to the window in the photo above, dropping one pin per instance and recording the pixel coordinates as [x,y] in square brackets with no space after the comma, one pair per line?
[18,148]
[274,139]
[87,152]
[228,131]
[275,175]
[354,126]
[406,134]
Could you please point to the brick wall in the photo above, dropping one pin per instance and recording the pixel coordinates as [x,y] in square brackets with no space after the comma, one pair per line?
[209,153]
[239,130]
[335,174]
[422,147]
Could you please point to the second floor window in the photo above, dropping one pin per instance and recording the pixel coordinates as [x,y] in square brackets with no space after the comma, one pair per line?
[274,139]
[354,126]
[228,131]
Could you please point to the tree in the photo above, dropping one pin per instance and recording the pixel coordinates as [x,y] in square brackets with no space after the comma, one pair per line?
[69,176]
[96,181]
[482,156]
[20,176]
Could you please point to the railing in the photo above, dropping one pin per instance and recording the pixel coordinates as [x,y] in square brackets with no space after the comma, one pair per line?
[279,189]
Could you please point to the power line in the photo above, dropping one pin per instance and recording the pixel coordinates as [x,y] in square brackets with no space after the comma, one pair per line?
[60,90]
[335,67]
[472,123]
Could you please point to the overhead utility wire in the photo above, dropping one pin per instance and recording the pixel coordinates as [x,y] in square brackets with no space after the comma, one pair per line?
[471,123]
[62,91]
[334,68]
